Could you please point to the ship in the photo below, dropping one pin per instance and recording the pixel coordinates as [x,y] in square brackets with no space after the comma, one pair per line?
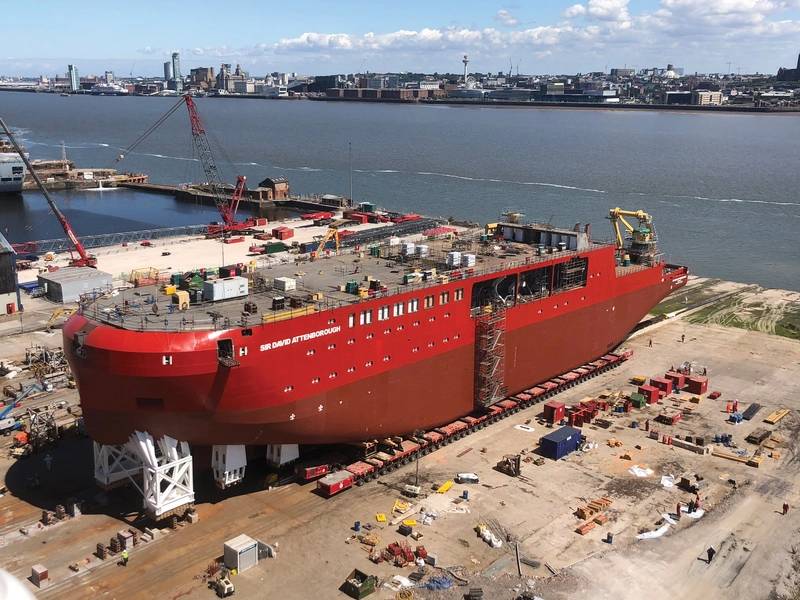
[12,169]
[389,336]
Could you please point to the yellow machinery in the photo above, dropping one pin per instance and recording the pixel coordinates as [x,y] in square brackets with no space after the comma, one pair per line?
[181,298]
[331,234]
[57,313]
[643,234]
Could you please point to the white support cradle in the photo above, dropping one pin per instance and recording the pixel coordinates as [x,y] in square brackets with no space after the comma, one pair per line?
[282,454]
[167,477]
[228,463]
[113,464]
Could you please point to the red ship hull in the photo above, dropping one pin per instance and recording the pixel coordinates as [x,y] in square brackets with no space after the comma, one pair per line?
[345,383]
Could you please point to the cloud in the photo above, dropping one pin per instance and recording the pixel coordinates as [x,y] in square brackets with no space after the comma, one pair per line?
[575,10]
[602,10]
[506,18]
[591,30]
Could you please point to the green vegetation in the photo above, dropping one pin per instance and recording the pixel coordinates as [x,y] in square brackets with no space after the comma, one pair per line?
[778,318]
[686,297]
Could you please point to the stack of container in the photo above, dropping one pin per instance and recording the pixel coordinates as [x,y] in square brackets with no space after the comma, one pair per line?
[560,443]
[454,259]
[223,289]
[649,392]
[678,379]
[663,384]
[285,284]
[407,248]
[554,411]
[282,232]
[468,260]
[697,384]
[423,250]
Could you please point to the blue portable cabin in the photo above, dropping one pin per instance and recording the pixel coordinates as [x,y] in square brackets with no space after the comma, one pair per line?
[559,443]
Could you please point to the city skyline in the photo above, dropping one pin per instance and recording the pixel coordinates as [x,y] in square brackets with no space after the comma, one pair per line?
[308,37]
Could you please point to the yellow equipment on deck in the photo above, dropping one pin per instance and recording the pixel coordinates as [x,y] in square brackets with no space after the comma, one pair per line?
[181,298]
[331,234]
[643,234]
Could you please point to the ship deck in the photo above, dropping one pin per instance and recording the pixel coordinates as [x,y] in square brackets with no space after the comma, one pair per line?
[319,284]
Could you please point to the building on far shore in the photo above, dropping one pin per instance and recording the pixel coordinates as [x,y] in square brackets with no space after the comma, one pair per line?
[790,74]
[706,98]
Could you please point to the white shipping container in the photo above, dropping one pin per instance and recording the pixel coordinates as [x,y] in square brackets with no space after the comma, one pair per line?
[394,241]
[423,250]
[468,260]
[224,289]
[285,284]
[454,259]
[407,248]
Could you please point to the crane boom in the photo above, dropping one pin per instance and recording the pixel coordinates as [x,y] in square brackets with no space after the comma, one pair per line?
[84,260]
[227,210]
[226,206]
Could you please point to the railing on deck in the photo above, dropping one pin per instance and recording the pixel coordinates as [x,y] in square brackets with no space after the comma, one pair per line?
[166,319]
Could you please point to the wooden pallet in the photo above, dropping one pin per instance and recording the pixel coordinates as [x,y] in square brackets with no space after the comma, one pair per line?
[729,456]
[776,416]
[585,528]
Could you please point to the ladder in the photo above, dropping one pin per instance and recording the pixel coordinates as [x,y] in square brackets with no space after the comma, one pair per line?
[490,356]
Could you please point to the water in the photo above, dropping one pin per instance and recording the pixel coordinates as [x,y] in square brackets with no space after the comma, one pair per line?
[722,187]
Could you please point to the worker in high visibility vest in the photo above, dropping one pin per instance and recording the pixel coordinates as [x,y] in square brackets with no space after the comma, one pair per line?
[124,558]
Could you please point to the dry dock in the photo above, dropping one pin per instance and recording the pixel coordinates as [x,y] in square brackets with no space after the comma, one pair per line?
[742,336]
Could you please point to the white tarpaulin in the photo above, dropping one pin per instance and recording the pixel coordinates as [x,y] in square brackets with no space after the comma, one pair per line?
[699,512]
[649,535]
[668,481]
[669,519]
[640,471]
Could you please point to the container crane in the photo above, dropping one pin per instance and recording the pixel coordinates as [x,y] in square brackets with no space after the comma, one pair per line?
[84,259]
[227,206]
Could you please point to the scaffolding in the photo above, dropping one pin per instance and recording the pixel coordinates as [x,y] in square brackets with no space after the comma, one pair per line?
[43,430]
[490,354]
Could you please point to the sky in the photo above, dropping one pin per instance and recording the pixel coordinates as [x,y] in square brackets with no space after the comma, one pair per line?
[345,36]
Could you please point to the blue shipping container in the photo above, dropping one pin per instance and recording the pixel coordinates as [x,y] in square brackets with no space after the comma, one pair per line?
[560,443]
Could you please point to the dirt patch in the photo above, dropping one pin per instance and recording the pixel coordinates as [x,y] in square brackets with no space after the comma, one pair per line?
[631,487]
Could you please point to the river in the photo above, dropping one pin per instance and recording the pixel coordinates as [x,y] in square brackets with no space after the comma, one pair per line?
[723,188]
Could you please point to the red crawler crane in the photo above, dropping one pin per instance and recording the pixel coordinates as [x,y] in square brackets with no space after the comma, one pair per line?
[227,206]
[84,258]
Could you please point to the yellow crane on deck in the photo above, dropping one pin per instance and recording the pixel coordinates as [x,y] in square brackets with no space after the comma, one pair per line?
[331,234]
[643,234]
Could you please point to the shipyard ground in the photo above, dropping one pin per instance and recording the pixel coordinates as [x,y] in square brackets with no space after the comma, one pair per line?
[757,545]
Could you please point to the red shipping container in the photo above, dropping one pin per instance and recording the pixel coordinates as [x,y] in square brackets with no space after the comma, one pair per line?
[554,411]
[649,392]
[678,379]
[697,384]
[665,385]
[576,417]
